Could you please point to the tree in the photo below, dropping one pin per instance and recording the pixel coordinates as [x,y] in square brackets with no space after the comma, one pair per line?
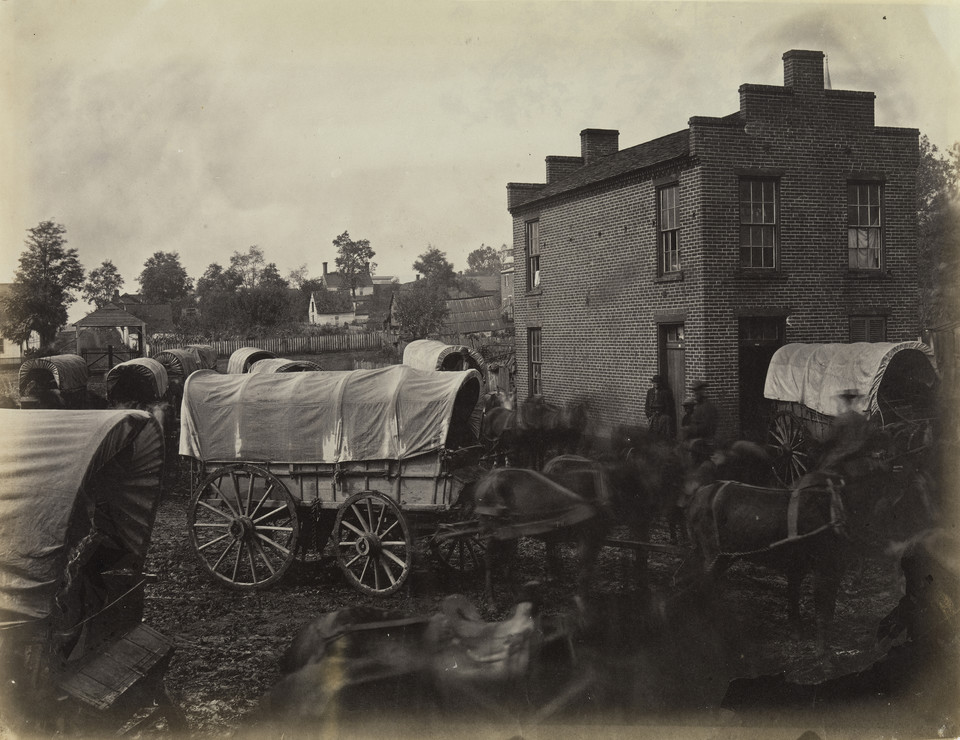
[163,279]
[102,283]
[435,268]
[484,261]
[420,309]
[297,278]
[248,266]
[42,286]
[938,211]
[353,260]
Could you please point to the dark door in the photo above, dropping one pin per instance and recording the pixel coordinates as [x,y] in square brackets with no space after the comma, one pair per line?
[672,363]
[760,337]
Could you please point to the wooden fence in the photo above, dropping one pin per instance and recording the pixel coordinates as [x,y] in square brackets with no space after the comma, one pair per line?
[284,346]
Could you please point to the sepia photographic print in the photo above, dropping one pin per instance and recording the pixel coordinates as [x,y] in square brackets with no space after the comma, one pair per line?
[537,369]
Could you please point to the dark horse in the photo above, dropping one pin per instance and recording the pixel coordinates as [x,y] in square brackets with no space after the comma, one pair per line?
[574,499]
[525,435]
[810,529]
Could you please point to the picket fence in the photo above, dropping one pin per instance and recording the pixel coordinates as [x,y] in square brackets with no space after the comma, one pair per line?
[284,346]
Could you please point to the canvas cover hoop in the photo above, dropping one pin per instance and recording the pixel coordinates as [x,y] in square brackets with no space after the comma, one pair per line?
[68,372]
[815,374]
[429,354]
[63,476]
[147,369]
[241,360]
[283,365]
[179,363]
[389,413]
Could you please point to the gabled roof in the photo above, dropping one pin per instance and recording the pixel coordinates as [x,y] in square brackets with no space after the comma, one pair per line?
[157,316]
[335,281]
[470,315]
[641,156]
[110,315]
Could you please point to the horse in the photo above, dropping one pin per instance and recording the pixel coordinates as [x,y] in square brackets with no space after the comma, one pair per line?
[811,529]
[524,435]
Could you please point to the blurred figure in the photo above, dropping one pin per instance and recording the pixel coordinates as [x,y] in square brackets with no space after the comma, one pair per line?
[659,409]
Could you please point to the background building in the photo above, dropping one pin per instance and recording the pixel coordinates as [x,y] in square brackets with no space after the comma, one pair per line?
[697,254]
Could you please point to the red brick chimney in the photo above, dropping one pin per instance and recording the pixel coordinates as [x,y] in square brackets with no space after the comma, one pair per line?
[598,142]
[560,167]
[324,268]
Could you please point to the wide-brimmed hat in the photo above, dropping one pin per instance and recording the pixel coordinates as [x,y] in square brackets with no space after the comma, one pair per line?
[700,384]
[655,379]
[689,401]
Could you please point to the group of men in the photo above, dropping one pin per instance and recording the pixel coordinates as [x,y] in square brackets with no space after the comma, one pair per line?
[699,420]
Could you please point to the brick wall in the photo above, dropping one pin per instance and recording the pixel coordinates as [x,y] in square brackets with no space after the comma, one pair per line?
[600,299]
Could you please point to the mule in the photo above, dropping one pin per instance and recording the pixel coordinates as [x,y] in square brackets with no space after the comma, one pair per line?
[517,502]
[808,530]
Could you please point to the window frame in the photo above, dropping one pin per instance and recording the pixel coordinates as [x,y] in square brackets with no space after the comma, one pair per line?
[532,252]
[877,228]
[668,255]
[535,360]
[762,227]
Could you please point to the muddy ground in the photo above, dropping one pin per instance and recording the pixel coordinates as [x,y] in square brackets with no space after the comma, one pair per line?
[229,642]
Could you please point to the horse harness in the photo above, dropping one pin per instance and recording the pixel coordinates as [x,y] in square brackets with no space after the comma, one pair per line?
[834,484]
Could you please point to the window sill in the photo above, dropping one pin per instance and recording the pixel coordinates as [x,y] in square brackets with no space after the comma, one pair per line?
[760,274]
[534,291]
[670,277]
[868,275]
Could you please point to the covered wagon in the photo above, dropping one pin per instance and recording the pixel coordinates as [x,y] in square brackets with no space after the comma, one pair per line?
[206,355]
[283,365]
[241,360]
[138,382]
[79,492]
[372,455]
[58,381]
[429,354]
[893,383]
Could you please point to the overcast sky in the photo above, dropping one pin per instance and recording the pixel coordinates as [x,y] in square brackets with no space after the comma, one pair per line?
[207,127]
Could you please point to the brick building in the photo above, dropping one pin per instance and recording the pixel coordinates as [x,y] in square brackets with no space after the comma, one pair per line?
[697,254]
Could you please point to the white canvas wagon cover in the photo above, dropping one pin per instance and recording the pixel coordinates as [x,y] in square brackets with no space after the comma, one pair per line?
[429,354]
[815,374]
[68,371]
[64,474]
[389,413]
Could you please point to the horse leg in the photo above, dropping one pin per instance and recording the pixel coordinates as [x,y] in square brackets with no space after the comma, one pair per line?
[794,581]
[826,586]
[591,540]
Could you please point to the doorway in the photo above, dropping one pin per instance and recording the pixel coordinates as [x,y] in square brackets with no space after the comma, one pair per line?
[672,364]
[759,338]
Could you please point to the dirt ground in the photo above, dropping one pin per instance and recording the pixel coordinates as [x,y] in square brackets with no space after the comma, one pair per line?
[229,642]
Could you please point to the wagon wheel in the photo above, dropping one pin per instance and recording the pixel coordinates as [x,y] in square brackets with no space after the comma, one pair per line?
[788,442]
[463,555]
[374,545]
[243,526]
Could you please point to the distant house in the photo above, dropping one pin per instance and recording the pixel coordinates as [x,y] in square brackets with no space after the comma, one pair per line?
[158,317]
[473,316]
[334,281]
[12,352]
[506,282]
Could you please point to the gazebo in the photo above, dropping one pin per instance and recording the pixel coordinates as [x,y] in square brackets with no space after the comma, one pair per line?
[112,316]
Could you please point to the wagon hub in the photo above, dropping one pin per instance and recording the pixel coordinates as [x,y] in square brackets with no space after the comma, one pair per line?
[368,544]
[242,527]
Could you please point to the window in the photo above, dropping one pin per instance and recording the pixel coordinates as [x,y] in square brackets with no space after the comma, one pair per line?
[864,224]
[868,328]
[758,223]
[761,330]
[1,345]
[668,229]
[535,348]
[533,254]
